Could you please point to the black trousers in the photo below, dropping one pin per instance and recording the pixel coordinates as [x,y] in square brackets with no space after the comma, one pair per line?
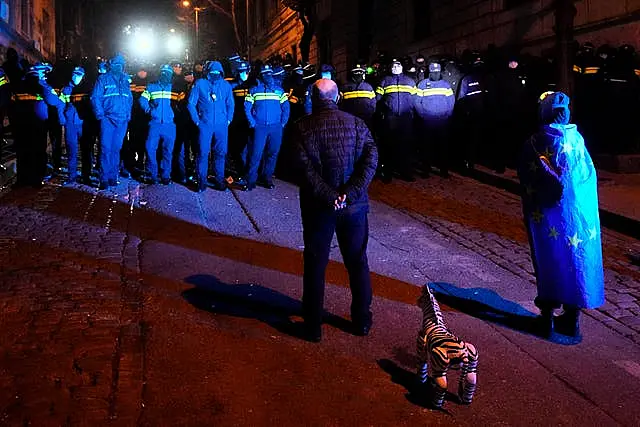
[352,229]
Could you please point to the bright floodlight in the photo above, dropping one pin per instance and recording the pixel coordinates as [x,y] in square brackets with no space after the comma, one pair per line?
[175,44]
[142,43]
[186,3]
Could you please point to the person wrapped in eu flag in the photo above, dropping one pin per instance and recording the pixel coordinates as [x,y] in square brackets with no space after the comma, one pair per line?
[560,202]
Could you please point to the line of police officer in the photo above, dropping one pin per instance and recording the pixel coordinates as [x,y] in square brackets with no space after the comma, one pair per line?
[209,128]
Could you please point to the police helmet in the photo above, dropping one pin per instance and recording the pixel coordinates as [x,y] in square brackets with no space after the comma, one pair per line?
[40,68]
[244,66]
[79,71]
[166,68]
[235,58]
[266,69]
[278,71]
[435,67]
[420,60]
[588,47]
[359,69]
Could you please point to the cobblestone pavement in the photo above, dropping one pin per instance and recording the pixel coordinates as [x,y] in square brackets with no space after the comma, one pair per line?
[489,222]
[96,281]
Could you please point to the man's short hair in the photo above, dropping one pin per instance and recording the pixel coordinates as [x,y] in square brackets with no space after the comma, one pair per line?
[325,90]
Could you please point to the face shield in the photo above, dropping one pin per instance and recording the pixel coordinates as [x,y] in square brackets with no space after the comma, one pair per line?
[326,75]
[357,77]
[77,78]
[214,76]
[396,69]
[244,76]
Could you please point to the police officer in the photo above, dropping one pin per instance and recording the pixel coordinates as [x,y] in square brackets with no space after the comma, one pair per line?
[434,106]
[296,89]
[112,101]
[32,99]
[186,132]
[421,67]
[358,97]
[326,72]
[267,110]
[71,96]
[396,95]
[134,148]
[279,76]
[211,107]
[474,111]
[156,102]
[239,129]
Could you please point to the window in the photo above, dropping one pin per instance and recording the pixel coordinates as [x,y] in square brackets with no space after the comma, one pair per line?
[421,19]
[4,10]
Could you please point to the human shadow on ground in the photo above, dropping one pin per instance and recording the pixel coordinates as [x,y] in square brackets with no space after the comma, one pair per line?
[488,305]
[253,301]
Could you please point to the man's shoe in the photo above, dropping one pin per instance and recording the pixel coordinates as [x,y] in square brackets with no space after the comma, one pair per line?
[266,184]
[312,333]
[113,182]
[219,186]
[103,186]
[201,188]
[151,181]
[125,173]
[165,181]
[361,328]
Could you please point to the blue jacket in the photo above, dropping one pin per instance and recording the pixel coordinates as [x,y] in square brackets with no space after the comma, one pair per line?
[359,99]
[157,100]
[435,100]
[111,97]
[266,106]
[33,99]
[73,99]
[397,96]
[240,92]
[211,103]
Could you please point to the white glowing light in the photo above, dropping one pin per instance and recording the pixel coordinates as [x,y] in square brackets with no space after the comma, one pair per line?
[175,44]
[143,43]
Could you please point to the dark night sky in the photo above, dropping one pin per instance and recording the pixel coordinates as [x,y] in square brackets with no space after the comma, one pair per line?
[112,15]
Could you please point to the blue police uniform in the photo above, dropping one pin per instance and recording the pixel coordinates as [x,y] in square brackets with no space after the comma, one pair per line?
[72,96]
[112,102]
[267,111]
[396,106]
[211,107]
[239,130]
[156,101]
[32,99]
[434,106]
[474,112]
[359,99]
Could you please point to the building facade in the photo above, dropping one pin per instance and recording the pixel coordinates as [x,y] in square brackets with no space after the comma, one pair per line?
[357,29]
[71,28]
[29,26]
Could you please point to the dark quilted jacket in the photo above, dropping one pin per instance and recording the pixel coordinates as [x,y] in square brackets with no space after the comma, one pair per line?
[336,155]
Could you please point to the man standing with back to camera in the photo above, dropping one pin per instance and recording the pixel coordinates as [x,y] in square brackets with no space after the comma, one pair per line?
[337,159]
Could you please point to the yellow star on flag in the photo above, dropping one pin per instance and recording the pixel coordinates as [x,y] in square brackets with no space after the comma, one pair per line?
[574,241]
[567,148]
[553,233]
[593,233]
[537,216]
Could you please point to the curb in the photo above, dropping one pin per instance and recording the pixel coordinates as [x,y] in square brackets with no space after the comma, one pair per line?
[611,220]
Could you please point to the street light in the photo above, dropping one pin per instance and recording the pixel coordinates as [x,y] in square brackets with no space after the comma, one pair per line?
[197,10]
